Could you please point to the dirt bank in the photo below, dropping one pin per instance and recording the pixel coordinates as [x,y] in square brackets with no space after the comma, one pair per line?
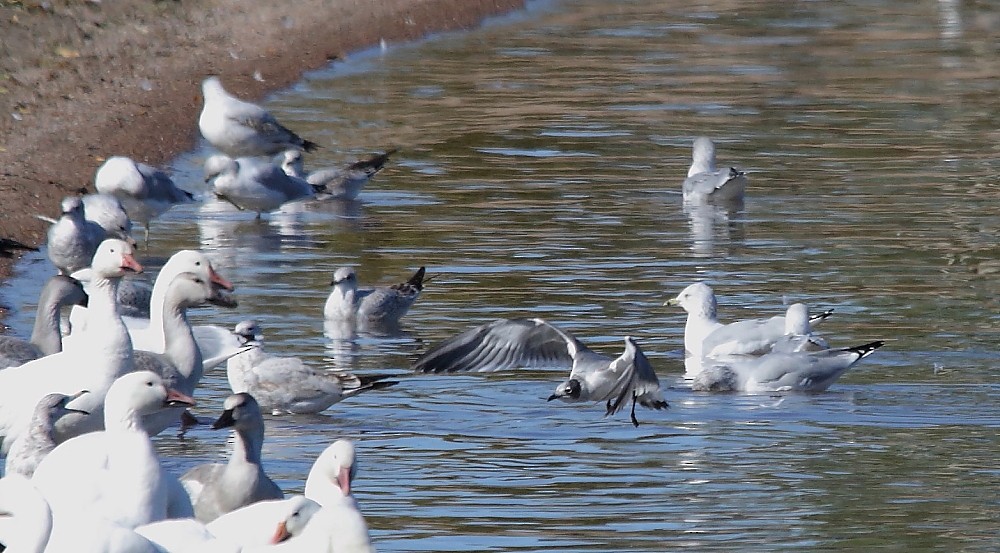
[82,80]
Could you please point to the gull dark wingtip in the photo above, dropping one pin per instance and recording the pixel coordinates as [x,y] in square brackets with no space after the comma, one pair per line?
[309,146]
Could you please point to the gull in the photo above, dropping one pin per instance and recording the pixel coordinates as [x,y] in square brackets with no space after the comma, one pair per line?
[146,192]
[108,212]
[287,384]
[380,306]
[71,242]
[781,372]
[751,337]
[535,343]
[216,489]
[339,183]
[239,128]
[704,182]
[58,292]
[254,184]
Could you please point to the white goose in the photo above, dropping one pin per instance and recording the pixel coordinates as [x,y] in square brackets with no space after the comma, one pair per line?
[115,474]
[102,355]
[266,522]
[217,489]
[181,363]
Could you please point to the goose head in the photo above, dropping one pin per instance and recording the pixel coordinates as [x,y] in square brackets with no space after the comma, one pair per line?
[140,393]
[240,411]
[25,516]
[191,289]
[192,261]
[114,258]
[336,466]
[298,512]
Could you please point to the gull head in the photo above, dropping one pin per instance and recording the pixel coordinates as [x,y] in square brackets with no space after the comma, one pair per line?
[220,164]
[568,391]
[698,298]
[797,320]
[72,206]
[702,156]
[344,276]
[291,163]
[211,86]
[248,331]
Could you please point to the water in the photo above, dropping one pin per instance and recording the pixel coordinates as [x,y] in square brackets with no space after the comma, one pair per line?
[539,173]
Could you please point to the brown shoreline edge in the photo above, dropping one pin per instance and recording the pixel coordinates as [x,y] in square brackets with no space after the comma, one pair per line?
[84,80]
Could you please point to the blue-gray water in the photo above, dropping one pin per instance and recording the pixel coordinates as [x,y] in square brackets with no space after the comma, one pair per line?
[538,174]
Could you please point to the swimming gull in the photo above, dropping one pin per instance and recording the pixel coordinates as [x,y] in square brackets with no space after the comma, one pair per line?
[287,384]
[535,343]
[240,128]
[705,182]
[812,371]
[380,306]
[339,183]
[254,184]
[746,337]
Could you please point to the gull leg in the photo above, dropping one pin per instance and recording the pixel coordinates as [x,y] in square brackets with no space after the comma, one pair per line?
[635,421]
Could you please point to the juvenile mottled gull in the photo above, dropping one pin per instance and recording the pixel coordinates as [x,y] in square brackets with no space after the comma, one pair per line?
[287,384]
[146,192]
[339,183]
[239,128]
[705,183]
[780,372]
[254,184]
[744,338]
[514,343]
[30,448]
[216,489]
[58,292]
[383,305]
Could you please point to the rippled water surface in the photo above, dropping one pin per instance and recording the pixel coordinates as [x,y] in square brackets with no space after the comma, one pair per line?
[538,175]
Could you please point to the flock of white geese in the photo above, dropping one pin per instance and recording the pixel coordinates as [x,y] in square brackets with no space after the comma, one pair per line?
[81,398]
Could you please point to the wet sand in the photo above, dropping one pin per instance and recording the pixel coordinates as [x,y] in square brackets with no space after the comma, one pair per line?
[83,80]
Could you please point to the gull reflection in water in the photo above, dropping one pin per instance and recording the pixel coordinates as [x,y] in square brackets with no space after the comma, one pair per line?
[715,226]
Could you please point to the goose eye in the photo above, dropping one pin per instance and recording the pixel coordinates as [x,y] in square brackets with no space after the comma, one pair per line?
[199,281]
[149,383]
[197,263]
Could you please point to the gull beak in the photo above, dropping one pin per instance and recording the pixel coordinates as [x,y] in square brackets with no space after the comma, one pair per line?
[672,302]
[280,534]
[175,398]
[553,396]
[130,264]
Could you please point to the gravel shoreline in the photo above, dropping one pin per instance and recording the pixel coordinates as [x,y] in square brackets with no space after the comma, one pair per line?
[84,80]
